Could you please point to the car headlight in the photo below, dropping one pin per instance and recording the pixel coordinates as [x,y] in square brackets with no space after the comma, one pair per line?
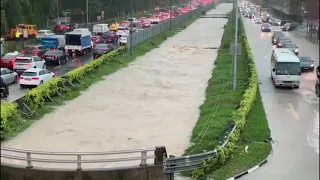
[296,50]
[312,65]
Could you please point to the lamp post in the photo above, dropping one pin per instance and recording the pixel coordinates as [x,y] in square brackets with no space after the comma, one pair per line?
[58,17]
[131,28]
[87,4]
[170,2]
[235,46]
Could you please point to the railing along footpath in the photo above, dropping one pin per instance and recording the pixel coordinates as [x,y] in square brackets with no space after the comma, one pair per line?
[33,160]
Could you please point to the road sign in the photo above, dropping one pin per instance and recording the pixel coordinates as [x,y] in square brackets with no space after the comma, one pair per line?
[98,18]
[235,49]
[102,14]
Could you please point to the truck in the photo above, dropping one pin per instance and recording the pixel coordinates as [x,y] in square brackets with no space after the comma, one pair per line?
[78,42]
[54,42]
[100,28]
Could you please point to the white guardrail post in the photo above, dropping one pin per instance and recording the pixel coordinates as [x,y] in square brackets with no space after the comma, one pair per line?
[29,164]
[79,161]
[143,157]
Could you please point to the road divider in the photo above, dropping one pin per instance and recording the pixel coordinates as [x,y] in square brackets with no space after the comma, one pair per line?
[238,117]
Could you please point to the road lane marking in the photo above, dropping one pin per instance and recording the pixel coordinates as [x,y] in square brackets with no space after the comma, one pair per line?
[292,111]
[57,67]
[74,60]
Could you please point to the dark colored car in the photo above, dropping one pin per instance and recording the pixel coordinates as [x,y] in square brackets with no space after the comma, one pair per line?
[306,63]
[265,19]
[251,16]
[97,40]
[102,49]
[110,36]
[266,27]
[292,47]
[317,88]
[55,57]
[283,22]
[281,41]
[275,35]
[34,49]
[289,26]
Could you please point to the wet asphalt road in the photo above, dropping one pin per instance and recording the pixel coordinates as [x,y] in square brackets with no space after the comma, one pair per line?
[59,70]
[293,115]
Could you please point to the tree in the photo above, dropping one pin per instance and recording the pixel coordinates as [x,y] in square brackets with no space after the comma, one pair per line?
[3,19]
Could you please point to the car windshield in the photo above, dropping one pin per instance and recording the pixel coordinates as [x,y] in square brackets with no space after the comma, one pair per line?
[8,56]
[52,52]
[266,25]
[30,48]
[124,36]
[102,46]
[18,60]
[290,46]
[29,74]
[41,32]
[284,41]
[305,59]
[288,68]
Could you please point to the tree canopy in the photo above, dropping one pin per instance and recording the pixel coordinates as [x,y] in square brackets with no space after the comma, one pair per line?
[37,12]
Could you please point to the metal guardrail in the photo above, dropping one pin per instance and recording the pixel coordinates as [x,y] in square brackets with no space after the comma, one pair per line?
[191,162]
[76,158]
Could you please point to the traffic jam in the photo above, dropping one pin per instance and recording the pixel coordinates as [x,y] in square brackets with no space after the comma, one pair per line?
[31,67]
[287,65]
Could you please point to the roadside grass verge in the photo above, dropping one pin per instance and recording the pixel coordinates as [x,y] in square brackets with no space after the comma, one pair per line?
[221,100]
[121,61]
[255,135]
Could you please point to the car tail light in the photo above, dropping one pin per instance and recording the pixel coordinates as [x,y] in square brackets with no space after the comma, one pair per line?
[29,64]
[102,35]
[56,57]
[36,52]
[43,56]
[21,77]
[35,78]
[96,41]
[110,37]
[24,51]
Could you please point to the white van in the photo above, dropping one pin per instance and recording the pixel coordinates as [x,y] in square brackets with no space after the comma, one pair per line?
[285,68]
[100,28]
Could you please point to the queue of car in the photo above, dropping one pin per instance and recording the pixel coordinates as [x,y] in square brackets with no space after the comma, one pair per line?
[286,64]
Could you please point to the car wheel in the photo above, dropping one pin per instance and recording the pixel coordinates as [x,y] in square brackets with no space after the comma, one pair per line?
[16,78]
[22,86]
[41,82]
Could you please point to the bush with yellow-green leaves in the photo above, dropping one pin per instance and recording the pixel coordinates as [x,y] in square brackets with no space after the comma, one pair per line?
[238,118]
[36,97]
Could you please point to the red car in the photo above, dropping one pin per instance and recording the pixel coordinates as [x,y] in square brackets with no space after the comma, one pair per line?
[145,23]
[63,28]
[9,59]
[97,40]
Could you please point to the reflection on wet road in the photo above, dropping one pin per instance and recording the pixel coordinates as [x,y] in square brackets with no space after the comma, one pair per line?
[293,115]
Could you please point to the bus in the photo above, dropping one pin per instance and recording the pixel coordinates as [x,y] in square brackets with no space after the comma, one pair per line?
[285,68]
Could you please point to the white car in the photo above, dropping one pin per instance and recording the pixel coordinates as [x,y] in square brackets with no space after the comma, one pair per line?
[123,31]
[257,20]
[35,77]
[155,20]
[123,39]
[44,33]
[25,62]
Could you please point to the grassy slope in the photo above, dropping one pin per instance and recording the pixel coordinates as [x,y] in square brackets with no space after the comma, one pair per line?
[209,129]
[102,71]
[255,133]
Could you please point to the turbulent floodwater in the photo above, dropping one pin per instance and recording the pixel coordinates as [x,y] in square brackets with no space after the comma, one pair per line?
[154,101]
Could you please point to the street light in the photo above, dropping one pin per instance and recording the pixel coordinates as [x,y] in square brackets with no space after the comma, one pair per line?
[131,29]
[235,46]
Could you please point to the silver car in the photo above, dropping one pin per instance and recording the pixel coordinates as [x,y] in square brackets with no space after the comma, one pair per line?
[9,76]
[274,22]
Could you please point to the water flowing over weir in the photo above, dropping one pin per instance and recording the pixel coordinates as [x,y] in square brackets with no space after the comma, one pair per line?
[154,101]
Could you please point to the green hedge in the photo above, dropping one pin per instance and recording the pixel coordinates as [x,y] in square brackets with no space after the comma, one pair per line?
[238,117]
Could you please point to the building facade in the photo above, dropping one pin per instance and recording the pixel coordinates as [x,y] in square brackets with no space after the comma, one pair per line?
[312,17]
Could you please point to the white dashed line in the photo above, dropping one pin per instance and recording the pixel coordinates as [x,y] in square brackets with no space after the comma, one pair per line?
[57,67]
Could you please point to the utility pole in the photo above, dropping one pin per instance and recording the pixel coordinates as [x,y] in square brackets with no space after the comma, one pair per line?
[87,13]
[58,21]
[170,2]
[131,28]
[235,46]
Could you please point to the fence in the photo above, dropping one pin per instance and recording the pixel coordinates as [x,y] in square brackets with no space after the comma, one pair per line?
[137,157]
[143,36]
[11,46]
